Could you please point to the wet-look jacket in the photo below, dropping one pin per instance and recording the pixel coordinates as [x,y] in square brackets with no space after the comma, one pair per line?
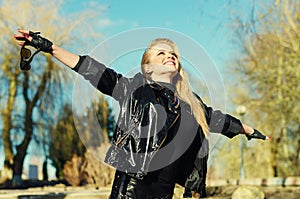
[148,112]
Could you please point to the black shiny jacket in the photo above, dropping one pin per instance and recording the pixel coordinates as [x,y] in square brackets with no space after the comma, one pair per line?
[147,112]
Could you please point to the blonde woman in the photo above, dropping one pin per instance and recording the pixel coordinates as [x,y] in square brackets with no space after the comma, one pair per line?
[162,130]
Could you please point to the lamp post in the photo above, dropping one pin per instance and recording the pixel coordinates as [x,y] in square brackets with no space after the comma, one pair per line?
[241,110]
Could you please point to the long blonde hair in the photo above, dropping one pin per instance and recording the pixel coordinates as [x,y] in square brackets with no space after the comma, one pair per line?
[183,87]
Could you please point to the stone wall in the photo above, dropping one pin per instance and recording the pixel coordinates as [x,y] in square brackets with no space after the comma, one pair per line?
[276,181]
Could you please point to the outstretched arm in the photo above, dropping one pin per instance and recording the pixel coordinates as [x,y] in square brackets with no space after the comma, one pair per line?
[64,56]
[106,80]
[228,125]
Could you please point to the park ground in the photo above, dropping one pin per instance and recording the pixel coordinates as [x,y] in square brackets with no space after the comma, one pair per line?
[61,191]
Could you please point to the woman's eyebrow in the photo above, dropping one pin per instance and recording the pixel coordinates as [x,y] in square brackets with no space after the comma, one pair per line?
[162,50]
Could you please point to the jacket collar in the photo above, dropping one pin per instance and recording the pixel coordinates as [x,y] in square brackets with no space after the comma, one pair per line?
[152,83]
[158,86]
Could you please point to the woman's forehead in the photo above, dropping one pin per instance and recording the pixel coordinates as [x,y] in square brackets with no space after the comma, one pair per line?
[162,46]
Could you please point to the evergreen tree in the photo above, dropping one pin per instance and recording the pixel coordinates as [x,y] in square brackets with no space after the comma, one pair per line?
[64,141]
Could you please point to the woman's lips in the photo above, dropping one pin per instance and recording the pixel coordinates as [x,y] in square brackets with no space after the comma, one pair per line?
[169,63]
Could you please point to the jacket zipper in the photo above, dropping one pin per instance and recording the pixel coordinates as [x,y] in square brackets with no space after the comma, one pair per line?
[125,135]
[129,130]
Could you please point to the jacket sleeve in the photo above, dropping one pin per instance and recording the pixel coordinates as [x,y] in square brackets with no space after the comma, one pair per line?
[220,122]
[106,80]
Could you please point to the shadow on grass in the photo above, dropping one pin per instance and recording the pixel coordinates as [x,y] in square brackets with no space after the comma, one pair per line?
[45,196]
[32,184]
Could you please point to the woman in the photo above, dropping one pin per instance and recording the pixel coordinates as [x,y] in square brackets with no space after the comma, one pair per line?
[162,129]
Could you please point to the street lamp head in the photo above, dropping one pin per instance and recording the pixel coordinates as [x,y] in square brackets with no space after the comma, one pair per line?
[241,110]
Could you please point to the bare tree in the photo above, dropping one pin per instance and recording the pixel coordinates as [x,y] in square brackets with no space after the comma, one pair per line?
[35,92]
[269,68]
[265,62]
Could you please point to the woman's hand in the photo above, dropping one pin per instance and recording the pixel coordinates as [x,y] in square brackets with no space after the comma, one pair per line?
[247,130]
[253,133]
[22,36]
[33,39]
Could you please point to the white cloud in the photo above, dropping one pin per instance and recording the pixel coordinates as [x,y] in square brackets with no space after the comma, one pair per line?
[105,22]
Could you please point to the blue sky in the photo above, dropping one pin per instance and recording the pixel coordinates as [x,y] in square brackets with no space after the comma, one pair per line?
[204,21]
[201,20]
[207,22]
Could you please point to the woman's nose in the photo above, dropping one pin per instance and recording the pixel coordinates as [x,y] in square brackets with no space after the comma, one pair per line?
[170,55]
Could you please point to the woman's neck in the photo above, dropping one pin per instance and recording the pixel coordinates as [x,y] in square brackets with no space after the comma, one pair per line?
[162,78]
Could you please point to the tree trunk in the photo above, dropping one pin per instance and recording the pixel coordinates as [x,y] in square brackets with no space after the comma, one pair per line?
[7,126]
[274,154]
[45,170]
[28,123]
[22,149]
[297,157]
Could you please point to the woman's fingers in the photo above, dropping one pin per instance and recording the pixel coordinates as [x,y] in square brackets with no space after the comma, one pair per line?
[19,37]
[24,32]
[20,43]
[23,36]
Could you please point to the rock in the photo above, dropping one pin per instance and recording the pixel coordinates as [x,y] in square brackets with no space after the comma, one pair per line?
[249,192]
[292,181]
[276,181]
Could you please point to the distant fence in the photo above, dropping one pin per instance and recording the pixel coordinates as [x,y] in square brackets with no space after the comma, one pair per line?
[276,181]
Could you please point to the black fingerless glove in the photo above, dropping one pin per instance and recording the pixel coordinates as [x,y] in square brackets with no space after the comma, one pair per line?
[257,135]
[40,42]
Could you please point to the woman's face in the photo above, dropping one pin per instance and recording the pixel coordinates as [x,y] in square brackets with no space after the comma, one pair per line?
[164,57]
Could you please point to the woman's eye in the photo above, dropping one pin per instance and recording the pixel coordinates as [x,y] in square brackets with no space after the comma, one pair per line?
[161,53]
[175,55]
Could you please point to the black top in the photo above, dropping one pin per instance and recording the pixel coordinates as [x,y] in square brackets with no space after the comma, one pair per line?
[183,132]
[170,86]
